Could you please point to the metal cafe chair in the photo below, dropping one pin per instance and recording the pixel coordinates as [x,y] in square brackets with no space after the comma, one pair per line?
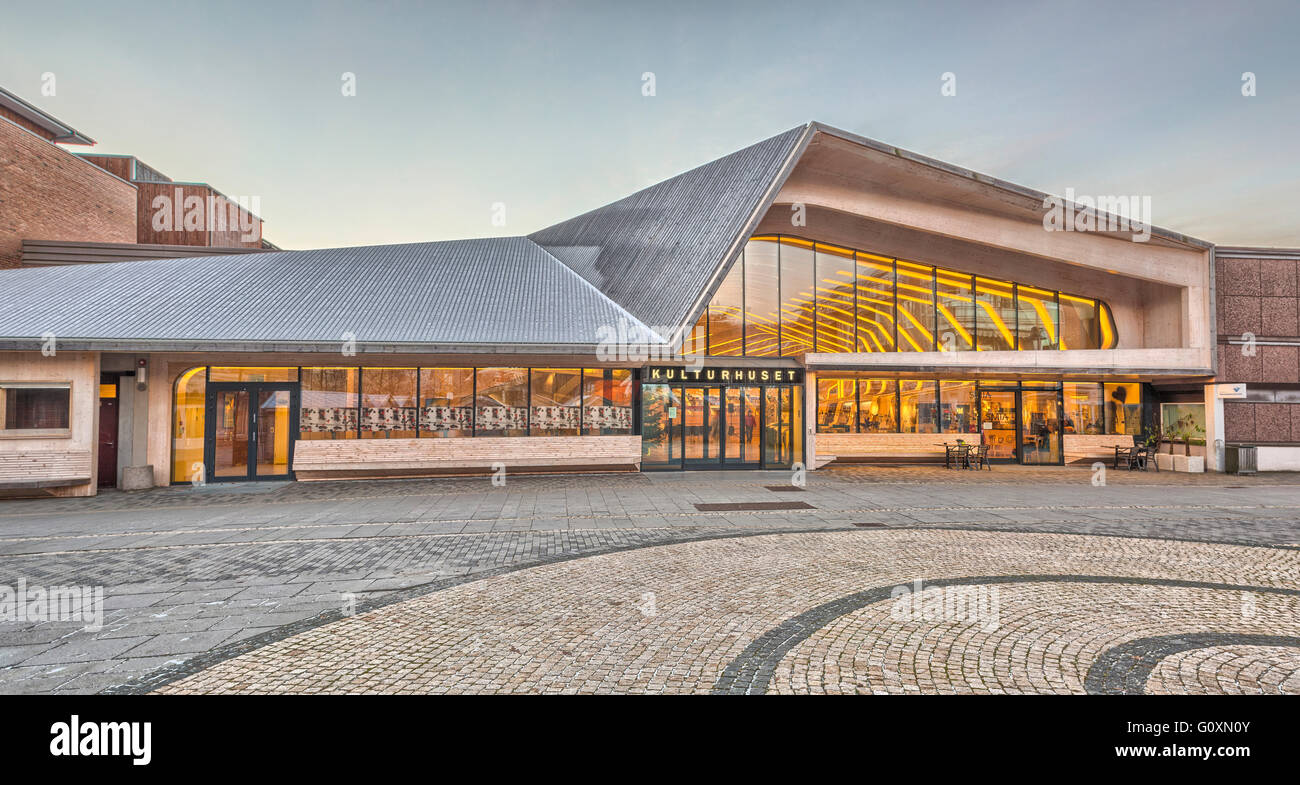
[1137,456]
[978,458]
[954,455]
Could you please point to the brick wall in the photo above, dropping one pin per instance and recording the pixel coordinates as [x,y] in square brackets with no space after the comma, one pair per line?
[1258,296]
[47,193]
[1261,297]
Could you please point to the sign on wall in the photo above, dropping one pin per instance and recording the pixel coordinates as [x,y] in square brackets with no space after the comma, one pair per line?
[666,374]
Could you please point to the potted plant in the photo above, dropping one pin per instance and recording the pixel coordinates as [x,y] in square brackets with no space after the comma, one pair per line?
[1165,460]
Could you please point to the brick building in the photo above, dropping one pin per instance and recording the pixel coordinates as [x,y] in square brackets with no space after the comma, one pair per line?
[61,207]
[916,311]
[1259,347]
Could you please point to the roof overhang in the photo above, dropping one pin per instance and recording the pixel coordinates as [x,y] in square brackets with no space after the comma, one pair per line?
[62,132]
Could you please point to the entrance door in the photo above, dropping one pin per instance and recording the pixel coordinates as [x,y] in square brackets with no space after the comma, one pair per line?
[1040,427]
[778,428]
[703,428]
[250,430]
[998,423]
[744,419]
[108,421]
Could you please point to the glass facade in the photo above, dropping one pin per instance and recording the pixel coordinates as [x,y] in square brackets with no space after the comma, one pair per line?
[797,303]
[1083,409]
[877,406]
[715,426]
[447,402]
[395,403]
[556,402]
[787,296]
[1047,408]
[388,403]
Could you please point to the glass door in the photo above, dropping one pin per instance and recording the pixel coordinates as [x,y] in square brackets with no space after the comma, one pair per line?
[250,431]
[778,428]
[1040,427]
[661,425]
[230,438]
[703,426]
[998,423]
[743,425]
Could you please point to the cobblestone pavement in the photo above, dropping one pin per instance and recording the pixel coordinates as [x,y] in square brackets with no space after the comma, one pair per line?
[683,618]
[194,576]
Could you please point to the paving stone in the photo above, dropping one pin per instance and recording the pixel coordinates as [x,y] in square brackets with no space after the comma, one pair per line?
[179,561]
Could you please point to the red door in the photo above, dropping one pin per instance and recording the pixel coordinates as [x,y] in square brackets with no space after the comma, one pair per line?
[108,442]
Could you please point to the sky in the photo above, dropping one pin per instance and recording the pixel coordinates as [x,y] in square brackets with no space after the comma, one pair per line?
[539,107]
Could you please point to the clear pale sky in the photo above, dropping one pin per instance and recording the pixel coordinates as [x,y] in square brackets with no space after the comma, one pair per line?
[539,105]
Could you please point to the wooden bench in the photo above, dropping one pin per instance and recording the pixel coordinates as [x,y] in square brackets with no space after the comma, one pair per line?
[35,469]
[903,448]
[358,458]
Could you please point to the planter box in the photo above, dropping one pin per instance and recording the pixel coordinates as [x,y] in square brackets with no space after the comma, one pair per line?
[1189,463]
[1165,461]
[137,478]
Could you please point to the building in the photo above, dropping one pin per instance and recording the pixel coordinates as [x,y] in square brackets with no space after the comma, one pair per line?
[60,207]
[1259,351]
[814,297]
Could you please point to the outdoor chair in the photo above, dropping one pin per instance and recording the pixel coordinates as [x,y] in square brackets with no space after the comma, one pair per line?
[978,458]
[1138,456]
[955,455]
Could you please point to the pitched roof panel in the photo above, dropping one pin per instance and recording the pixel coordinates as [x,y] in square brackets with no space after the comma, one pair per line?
[656,251]
[489,291]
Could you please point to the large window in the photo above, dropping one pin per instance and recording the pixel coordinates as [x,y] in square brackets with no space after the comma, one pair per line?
[1123,408]
[916,315]
[556,401]
[932,406]
[501,408]
[35,407]
[388,405]
[797,301]
[447,402]
[1083,409]
[835,301]
[956,305]
[837,405]
[762,303]
[919,406]
[957,411]
[328,402]
[1036,319]
[786,296]
[1078,323]
[726,315]
[875,309]
[188,420]
[877,406]
[606,401]
[995,316]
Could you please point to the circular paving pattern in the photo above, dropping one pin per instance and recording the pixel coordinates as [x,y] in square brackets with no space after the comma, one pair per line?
[880,611]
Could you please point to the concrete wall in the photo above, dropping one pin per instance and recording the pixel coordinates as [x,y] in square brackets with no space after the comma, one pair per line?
[81,370]
[48,193]
[889,204]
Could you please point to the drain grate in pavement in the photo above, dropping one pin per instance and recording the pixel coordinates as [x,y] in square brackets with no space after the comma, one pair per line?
[747,506]
[784,488]
[870,525]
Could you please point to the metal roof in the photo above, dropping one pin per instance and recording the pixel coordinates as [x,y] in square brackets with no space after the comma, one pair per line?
[657,251]
[62,131]
[423,296]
